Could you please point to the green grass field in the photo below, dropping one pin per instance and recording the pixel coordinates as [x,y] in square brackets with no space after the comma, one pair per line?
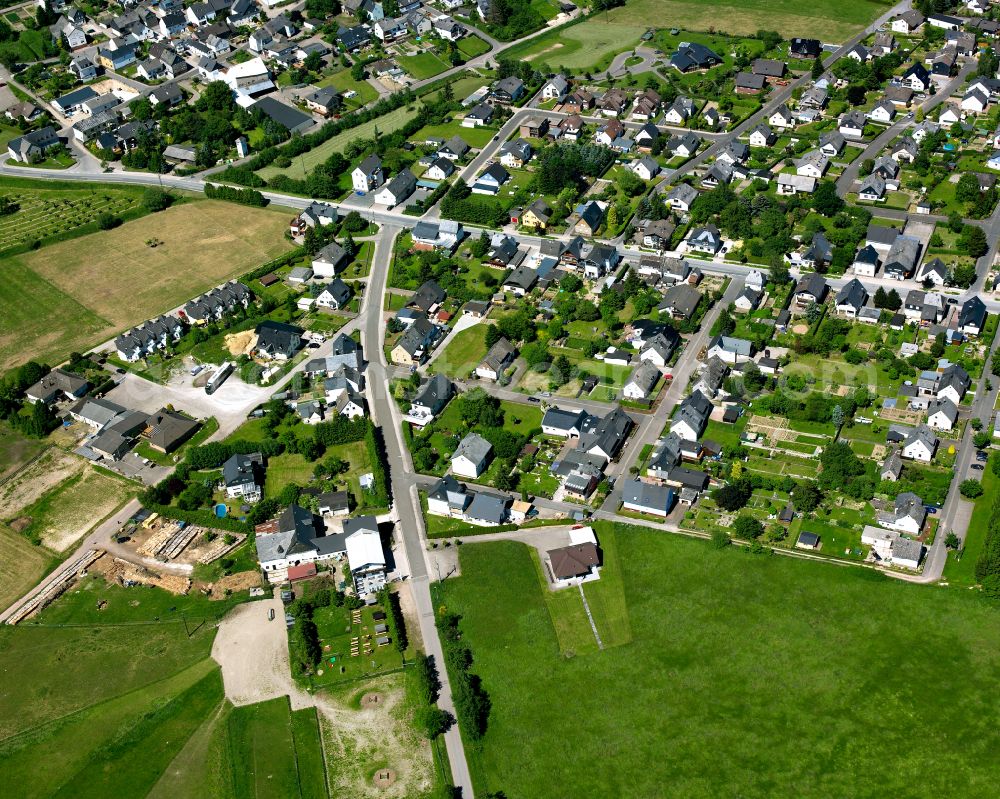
[745,676]
[303,164]
[463,353]
[423,65]
[591,44]
[88,299]
[961,571]
[474,137]
[265,743]
[343,82]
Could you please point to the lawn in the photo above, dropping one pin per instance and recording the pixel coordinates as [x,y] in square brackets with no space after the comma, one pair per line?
[343,82]
[264,744]
[728,653]
[474,137]
[88,299]
[423,65]
[336,632]
[472,46]
[464,352]
[303,164]
[960,570]
[590,45]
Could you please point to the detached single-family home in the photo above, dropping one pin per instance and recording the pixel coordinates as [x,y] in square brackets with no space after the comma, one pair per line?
[242,476]
[729,350]
[641,382]
[368,175]
[920,444]
[646,497]
[397,190]
[681,197]
[942,414]
[972,316]
[706,239]
[499,358]
[472,456]
[851,299]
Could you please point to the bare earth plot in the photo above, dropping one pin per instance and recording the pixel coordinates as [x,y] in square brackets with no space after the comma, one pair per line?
[93,287]
[71,511]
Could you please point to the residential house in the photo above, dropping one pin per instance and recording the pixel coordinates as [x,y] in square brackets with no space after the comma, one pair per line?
[336,295]
[706,239]
[901,260]
[430,400]
[472,456]
[329,260]
[442,235]
[729,350]
[641,382]
[651,498]
[920,444]
[907,22]
[508,90]
[680,301]
[242,476]
[277,340]
[811,288]
[681,197]
[691,417]
[691,57]
[414,345]
[57,384]
[942,414]
[907,515]
[781,118]
[398,189]
[972,316]
[498,359]
[851,299]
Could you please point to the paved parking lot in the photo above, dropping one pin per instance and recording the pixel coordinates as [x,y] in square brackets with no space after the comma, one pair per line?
[229,405]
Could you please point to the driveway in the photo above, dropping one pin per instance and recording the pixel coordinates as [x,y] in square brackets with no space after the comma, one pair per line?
[253,654]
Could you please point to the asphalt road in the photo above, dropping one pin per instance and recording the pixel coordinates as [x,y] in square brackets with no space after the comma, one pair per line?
[406,505]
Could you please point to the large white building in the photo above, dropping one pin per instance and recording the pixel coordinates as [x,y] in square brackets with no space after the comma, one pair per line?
[365,554]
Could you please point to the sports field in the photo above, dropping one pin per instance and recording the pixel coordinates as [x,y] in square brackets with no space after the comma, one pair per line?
[726,674]
[590,44]
[74,294]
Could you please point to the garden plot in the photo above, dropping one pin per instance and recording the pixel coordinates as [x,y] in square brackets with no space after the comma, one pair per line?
[779,435]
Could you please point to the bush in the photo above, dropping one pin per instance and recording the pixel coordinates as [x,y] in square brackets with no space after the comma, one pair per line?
[154,200]
[106,221]
[970,489]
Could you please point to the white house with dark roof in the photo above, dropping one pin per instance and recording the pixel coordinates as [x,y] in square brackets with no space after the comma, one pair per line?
[472,456]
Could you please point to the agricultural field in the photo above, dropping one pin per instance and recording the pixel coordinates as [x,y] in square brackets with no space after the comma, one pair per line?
[590,45]
[61,517]
[161,726]
[303,164]
[275,751]
[59,209]
[728,651]
[200,245]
